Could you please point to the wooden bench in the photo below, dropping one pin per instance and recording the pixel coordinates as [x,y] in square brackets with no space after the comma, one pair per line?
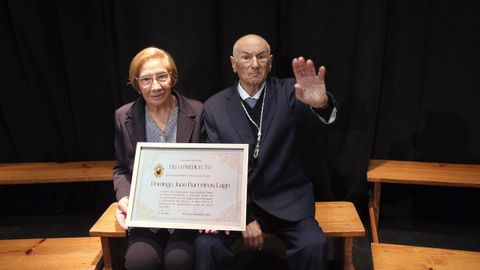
[51,172]
[395,257]
[416,173]
[51,253]
[109,232]
[337,219]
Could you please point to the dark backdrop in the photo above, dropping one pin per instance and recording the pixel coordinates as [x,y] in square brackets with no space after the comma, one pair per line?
[405,74]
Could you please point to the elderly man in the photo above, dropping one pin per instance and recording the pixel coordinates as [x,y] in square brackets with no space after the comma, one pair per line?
[265,112]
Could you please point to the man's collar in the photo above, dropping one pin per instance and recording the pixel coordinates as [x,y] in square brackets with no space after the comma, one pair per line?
[244,95]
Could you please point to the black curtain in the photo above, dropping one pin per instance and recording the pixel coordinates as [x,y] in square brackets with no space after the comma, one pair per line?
[404,74]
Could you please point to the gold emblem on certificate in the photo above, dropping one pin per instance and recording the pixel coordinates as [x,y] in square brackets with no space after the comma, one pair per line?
[158,170]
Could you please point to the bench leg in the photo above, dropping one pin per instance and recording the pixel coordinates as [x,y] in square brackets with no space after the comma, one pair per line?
[374,209]
[377,189]
[347,254]
[373,225]
[107,255]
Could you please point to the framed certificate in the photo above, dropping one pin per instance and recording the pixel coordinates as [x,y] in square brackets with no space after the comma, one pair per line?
[189,186]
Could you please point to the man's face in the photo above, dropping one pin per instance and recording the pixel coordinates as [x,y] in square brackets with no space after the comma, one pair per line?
[252,61]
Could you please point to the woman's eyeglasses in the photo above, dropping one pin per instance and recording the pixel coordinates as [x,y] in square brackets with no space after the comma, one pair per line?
[148,79]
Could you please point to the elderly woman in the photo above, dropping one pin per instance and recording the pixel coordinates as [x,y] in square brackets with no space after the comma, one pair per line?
[159,114]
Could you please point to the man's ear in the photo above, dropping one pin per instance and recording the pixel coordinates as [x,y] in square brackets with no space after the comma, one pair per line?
[232,61]
[271,61]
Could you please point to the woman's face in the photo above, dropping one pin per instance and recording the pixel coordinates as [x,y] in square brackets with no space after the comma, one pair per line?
[154,82]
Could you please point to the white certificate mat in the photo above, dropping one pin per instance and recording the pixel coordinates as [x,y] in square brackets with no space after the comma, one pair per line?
[189,186]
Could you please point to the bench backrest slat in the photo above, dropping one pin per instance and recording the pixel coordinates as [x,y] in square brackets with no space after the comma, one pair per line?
[424,173]
[51,172]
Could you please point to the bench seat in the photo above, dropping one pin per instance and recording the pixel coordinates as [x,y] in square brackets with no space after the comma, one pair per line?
[51,253]
[401,257]
[337,219]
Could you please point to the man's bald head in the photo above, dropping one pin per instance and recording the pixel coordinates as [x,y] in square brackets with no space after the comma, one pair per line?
[250,39]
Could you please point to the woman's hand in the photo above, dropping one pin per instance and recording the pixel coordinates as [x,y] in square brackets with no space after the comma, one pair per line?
[121,212]
[212,232]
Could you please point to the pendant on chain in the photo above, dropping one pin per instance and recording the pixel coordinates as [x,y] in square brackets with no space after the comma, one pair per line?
[257,150]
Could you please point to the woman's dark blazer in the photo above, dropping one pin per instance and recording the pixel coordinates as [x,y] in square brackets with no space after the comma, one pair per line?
[130,129]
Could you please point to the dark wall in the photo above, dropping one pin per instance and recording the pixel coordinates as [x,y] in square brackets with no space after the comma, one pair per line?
[404,74]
